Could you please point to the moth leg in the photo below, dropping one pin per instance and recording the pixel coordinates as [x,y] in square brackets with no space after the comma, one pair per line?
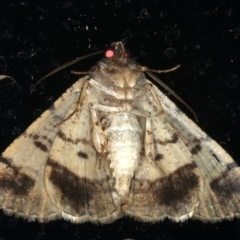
[79,101]
[149,141]
[105,89]
[161,111]
[149,147]
[140,113]
[104,108]
[98,136]
[149,88]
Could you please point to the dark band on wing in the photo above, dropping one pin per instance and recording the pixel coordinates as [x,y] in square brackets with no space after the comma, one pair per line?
[83,141]
[76,192]
[41,146]
[40,137]
[226,185]
[176,187]
[6,161]
[63,136]
[15,181]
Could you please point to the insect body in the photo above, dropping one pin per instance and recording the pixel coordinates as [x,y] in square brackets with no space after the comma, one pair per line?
[115,145]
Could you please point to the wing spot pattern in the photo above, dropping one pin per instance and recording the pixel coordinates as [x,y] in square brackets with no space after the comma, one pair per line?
[159,157]
[82,155]
[173,139]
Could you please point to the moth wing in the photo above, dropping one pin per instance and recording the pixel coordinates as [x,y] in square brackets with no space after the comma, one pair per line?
[192,176]
[219,196]
[168,186]
[44,174]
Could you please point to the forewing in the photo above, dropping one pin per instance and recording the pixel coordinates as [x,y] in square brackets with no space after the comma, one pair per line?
[75,179]
[219,195]
[47,173]
[191,176]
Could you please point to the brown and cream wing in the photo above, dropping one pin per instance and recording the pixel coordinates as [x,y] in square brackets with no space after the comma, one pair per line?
[169,186]
[47,173]
[219,195]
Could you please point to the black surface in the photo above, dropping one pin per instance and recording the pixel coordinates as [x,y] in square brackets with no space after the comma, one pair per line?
[203,36]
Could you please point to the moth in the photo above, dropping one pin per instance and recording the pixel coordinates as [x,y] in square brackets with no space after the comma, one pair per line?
[114,145]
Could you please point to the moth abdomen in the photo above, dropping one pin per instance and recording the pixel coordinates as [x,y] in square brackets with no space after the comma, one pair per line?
[124,148]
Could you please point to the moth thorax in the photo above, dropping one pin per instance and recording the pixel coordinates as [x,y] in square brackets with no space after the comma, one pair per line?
[124,147]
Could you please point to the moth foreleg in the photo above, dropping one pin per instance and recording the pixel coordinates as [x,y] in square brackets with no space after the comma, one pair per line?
[105,108]
[105,89]
[149,88]
[78,103]
[161,111]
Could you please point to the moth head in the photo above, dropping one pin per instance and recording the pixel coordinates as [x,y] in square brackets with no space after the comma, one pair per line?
[116,51]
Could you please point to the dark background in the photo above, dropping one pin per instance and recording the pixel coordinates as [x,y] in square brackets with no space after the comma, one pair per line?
[203,36]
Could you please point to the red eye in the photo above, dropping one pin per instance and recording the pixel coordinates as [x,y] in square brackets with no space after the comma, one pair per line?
[109,53]
[127,54]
